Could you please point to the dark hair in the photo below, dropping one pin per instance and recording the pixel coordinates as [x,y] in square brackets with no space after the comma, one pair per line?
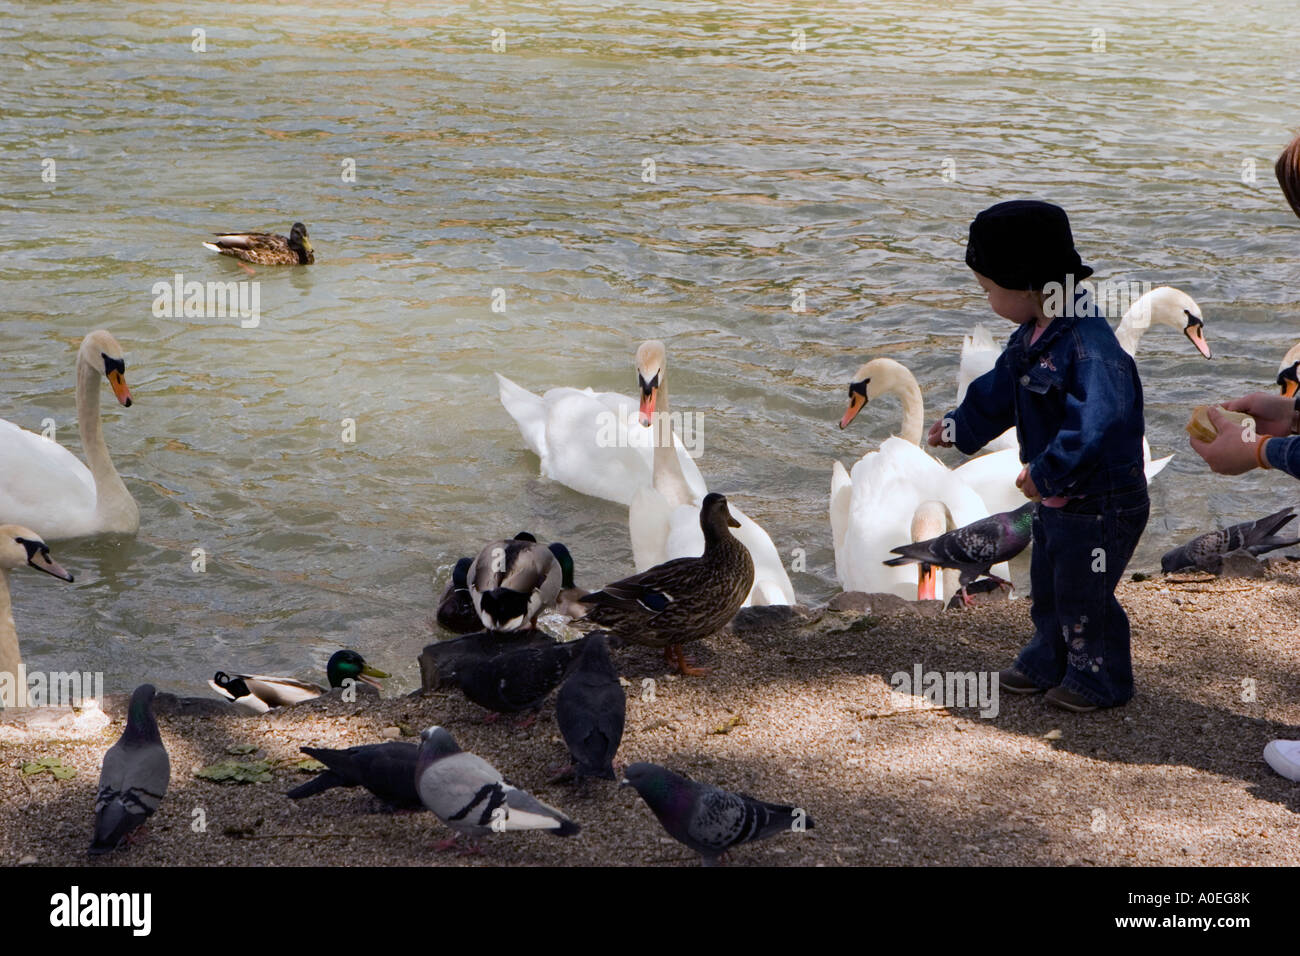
[1288,173]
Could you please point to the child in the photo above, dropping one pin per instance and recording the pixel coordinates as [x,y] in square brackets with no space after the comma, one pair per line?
[1075,400]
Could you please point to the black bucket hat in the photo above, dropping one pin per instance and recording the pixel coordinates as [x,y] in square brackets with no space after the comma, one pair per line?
[1024,244]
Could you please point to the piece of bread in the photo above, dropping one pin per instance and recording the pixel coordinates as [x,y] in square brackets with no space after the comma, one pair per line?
[1201,428]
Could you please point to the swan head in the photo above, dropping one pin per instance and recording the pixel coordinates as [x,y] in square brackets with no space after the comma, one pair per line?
[875,378]
[100,351]
[931,519]
[1288,373]
[651,363]
[1166,305]
[19,546]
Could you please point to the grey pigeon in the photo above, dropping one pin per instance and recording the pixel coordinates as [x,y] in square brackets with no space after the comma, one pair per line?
[516,679]
[590,709]
[1207,551]
[974,548]
[708,819]
[386,770]
[134,777]
[469,795]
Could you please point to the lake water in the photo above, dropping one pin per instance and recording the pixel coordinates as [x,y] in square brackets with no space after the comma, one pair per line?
[850,170]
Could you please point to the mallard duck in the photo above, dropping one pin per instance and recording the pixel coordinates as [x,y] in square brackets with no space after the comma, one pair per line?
[256,695]
[456,608]
[512,582]
[43,485]
[569,601]
[684,599]
[18,547]
[266,248]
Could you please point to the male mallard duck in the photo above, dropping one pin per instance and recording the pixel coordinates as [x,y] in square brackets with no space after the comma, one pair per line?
[511,582]
[266,248]
[569,601]
[257,695]
[684,599]
[456,608]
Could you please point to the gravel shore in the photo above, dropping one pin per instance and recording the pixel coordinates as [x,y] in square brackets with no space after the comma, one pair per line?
[796,708]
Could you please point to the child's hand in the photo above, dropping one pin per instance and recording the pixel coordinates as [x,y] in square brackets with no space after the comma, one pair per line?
[1026,484]
[1230,453]
[935,438]
[1272,413]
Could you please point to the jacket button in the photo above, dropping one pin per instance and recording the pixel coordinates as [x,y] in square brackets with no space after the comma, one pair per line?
[1024,380]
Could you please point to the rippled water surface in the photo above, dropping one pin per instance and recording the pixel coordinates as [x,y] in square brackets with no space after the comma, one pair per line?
[522,170]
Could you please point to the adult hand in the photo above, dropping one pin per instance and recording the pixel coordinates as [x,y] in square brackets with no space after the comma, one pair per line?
[1272,413]
[1230,453]
[935,438]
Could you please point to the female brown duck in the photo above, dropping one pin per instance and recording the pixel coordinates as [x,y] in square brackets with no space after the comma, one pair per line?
[684,599]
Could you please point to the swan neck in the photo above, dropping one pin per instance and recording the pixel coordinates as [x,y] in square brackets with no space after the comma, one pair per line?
[905,388]
[111,496]
[668,478]
[1131,328]
[10,658]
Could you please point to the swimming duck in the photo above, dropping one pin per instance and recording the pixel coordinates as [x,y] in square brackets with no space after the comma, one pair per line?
[684,599]
[512,582]
[267,248]
[456,608]
[43,485]
[256,695]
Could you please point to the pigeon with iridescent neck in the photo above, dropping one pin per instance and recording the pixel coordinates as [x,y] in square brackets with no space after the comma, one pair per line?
[973,549]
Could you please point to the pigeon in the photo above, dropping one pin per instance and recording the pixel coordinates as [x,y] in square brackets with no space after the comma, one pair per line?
[514,679]
[387,770]
[134,777]
[1207,551]
[469,795]
[708,819]
[456,609]
[974,548]
[590,709]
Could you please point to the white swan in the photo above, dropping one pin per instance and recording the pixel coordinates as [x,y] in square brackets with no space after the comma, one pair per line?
[872,507]
[590,441]
[993,473]
[42,484]
[664,519]
[931,519]
[18,546]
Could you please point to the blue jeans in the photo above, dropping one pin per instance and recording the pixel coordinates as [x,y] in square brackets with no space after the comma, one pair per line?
[1081,633]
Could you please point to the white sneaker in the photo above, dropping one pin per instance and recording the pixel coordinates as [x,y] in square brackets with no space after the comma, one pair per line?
[1284,757]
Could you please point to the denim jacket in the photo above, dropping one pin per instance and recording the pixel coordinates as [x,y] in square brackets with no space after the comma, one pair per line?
[1075,400]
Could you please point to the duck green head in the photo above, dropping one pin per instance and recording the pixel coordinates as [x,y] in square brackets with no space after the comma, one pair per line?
[566,563]
[349,664]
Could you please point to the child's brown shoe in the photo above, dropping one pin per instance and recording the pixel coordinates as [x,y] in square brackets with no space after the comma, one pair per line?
[1014,682]
[1069,700]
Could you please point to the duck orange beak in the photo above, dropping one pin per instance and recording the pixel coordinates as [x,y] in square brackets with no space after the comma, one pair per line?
[856,404]
[120,391]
